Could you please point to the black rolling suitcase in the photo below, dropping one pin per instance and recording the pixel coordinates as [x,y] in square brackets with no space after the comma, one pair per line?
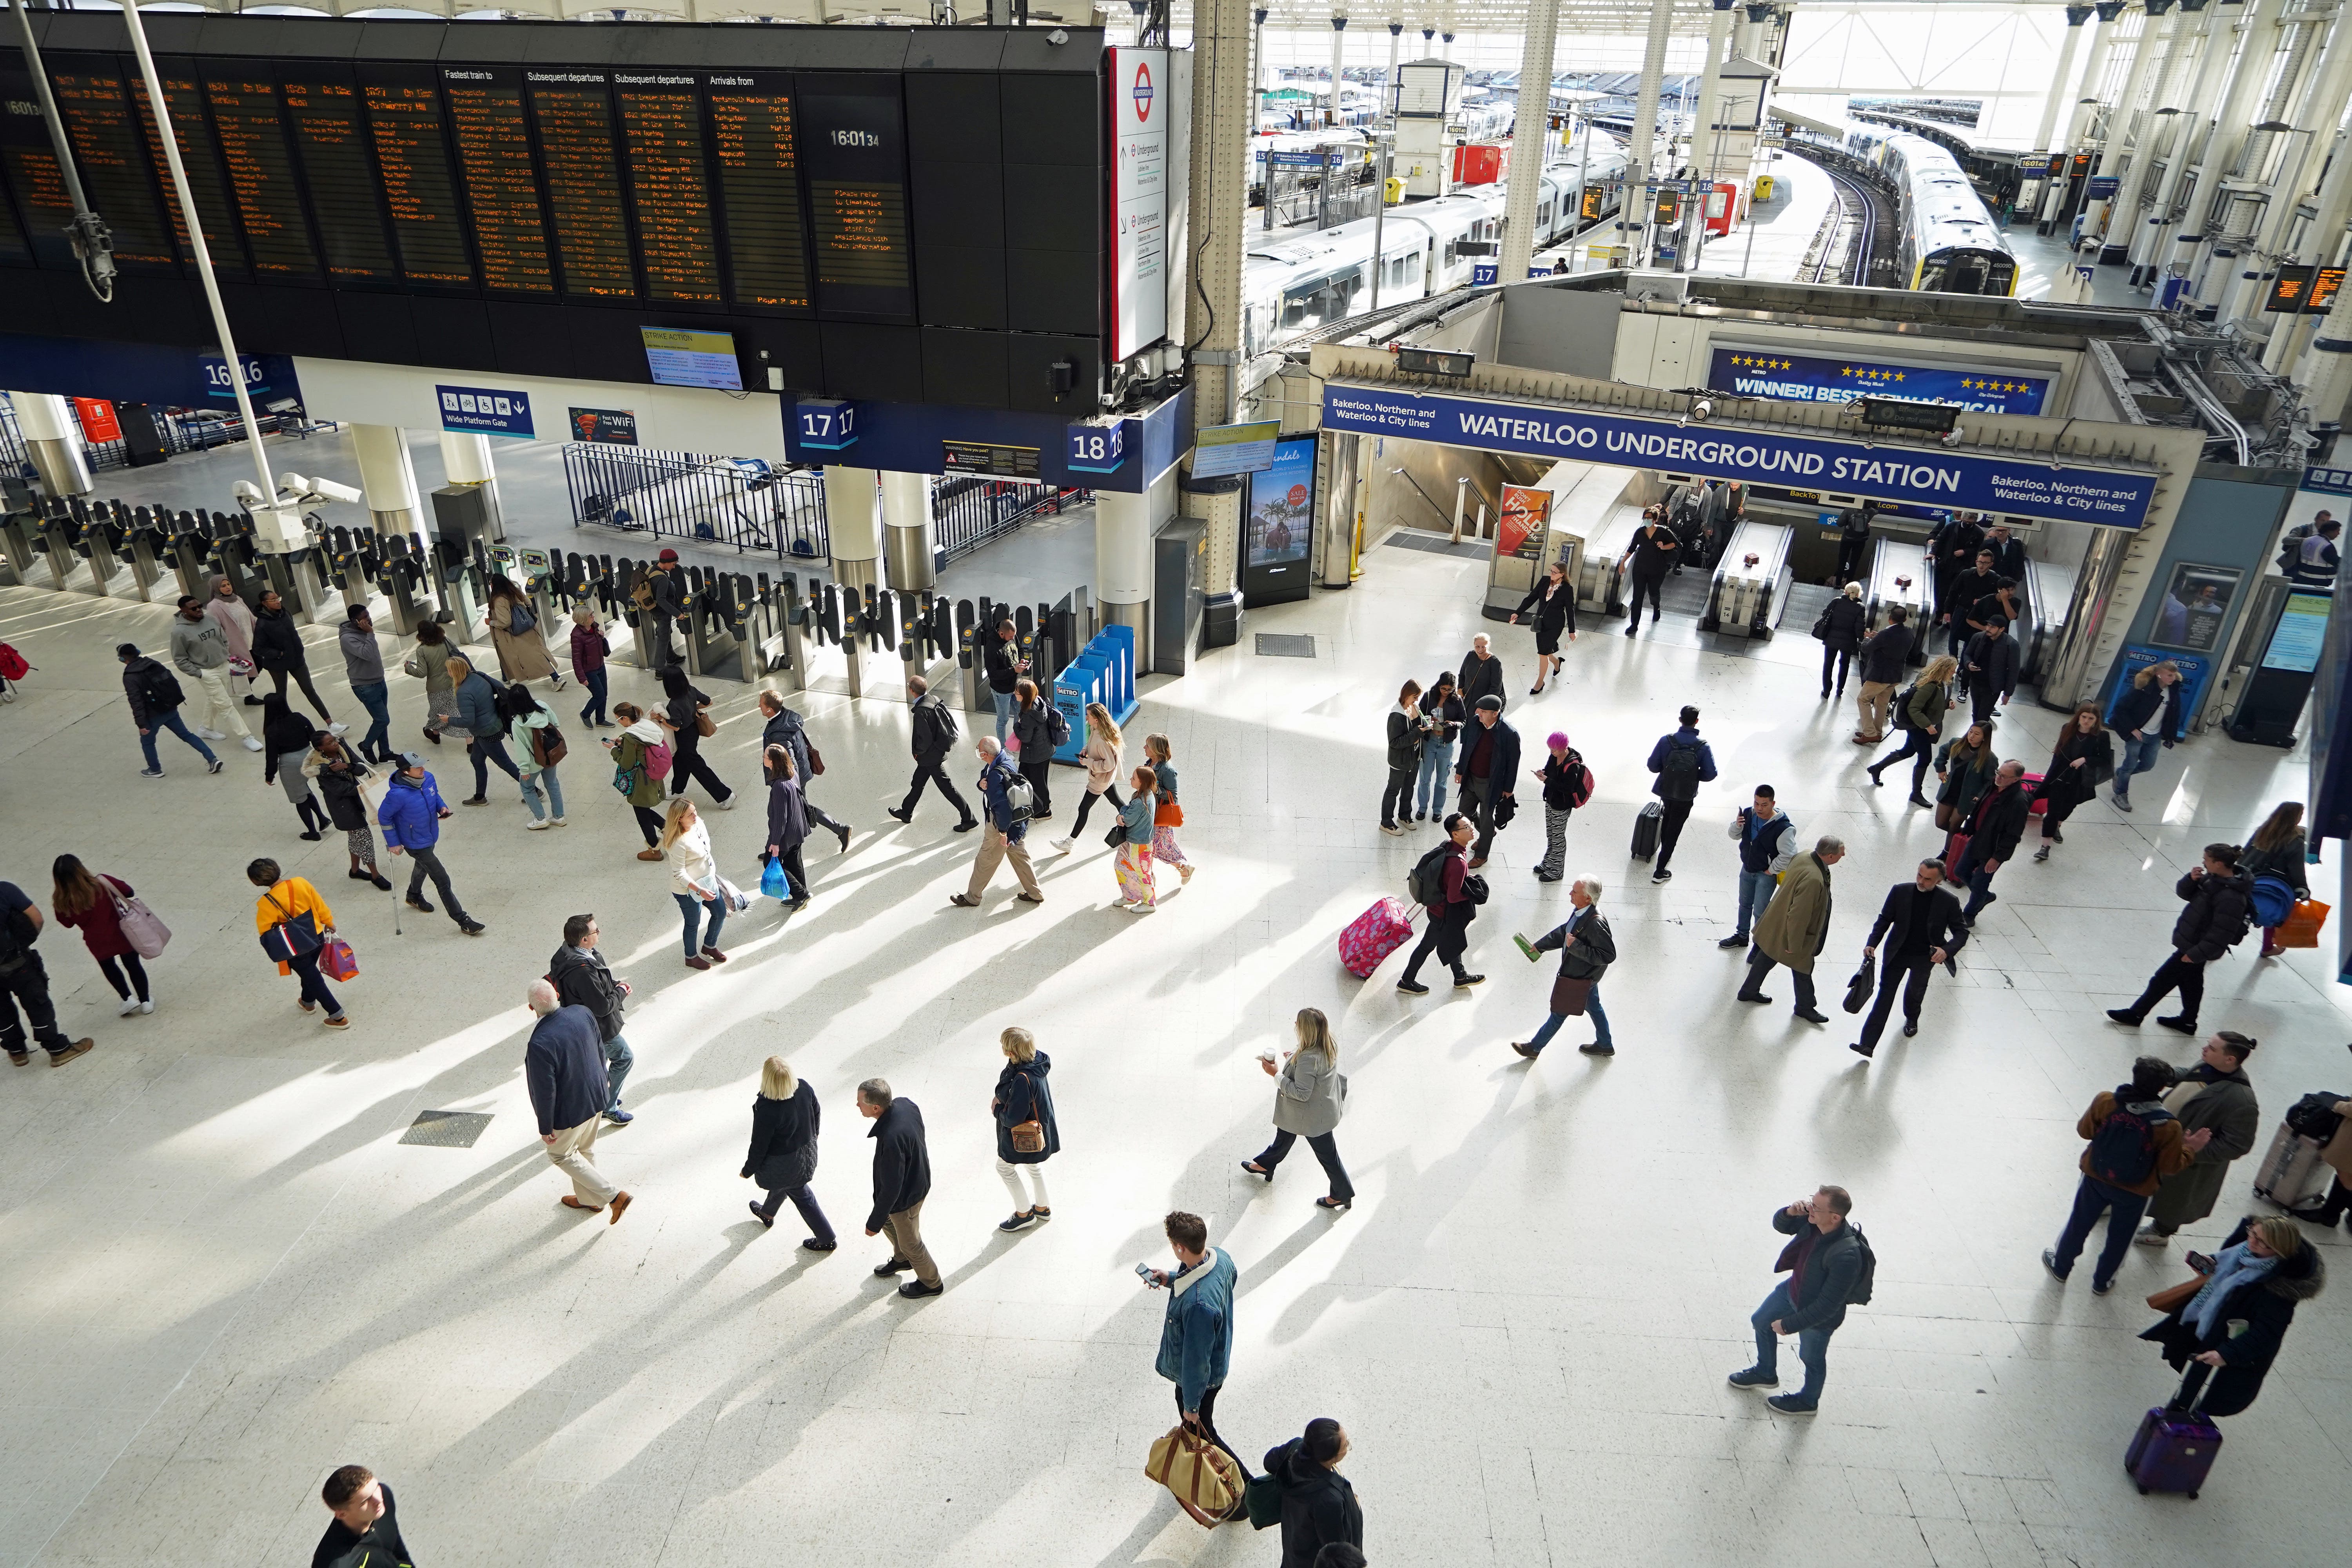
[1645,831]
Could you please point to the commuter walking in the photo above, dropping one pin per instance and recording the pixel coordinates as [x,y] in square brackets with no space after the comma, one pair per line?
[636,750]
[583,979]
[2231,1331]
[590,648]
[1961,593]
[1853,543]
[1310,1096]
[235,618]
[200,651]
[1587,947]
[1319,1506]
[1003,838]
[1458,895]
[1919,714]
[155,696]
[1099,756]
[1654,552]
[539,746]
[429,662]
[1443,715]
[1795,926]
[411,816]
[278,651]
[1921,926]
[2214,1096]
[787,825]
[363,667]
[2277,850]
[1768,842]
[294,923]
[935,733]
[1883,658]
[1566,784]
[1554,604]
[1992,837]
[2315,562]
[1405,737]
[563,1066]
[1965,771]
[1992,666]
[2008,553]
[287,737]
[1488,771]
[1168,814]
[340,780]
[786,1116]
[1683,762]
[1196,1333]
[2135,1143]
[1841,633]
[684,715]
[1004,665]
[25,984]
[1038,728]
[2084,759]
[661,594]
[782,726]
[2148,716]
[366,1527]
[1026,1133]
[1482,672]
[516,637]
[902,1180]
[476,695]
[94,904]
[695,883]
[1824,1265]
[2221,900]
[1138,884]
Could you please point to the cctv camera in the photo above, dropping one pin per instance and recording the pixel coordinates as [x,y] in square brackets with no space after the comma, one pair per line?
[1702,407]
[328,490]
[1057,36]
[290,483]
[1952,437]
[245,491]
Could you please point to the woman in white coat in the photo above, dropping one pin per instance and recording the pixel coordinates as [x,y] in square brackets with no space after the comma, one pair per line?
[1310,1097]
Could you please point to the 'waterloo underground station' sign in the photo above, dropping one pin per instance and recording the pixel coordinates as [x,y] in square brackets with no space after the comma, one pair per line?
[1961,481]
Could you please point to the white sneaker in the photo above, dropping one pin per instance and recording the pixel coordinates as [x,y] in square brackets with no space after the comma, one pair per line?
[213,734]
[537,825]
[1127,904]
[148,1005]
[130,1005]
[251,744]
[334,729]
[557,822]
[727,805]
[1061,843]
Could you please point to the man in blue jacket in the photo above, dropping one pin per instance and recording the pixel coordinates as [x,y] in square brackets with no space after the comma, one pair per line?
[411,817]
[564,1067]
[1196,1337]
[1004,834]
[1683,762]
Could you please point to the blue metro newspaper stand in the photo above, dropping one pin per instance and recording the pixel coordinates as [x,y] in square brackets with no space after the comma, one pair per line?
[1103,672]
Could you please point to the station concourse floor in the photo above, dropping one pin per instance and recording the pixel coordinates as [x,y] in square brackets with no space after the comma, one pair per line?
[228,1275]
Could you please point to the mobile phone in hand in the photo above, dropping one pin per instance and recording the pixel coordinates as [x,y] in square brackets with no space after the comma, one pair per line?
[1143,1272]
[2200,1262]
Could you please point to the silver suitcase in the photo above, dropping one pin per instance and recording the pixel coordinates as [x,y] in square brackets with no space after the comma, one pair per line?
[2292,1173]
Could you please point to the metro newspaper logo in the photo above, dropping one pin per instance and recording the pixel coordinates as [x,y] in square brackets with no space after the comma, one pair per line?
[1950,479]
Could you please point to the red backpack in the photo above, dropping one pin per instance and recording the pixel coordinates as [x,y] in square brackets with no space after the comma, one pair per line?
[12,664]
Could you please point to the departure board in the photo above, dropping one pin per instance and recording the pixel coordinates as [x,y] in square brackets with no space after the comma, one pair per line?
[115,166]
[573,112]
[494,161]
[199,158]
[13,249]
[404,113]
[32,171]
[759,183]
[322,106]
[243,103]
[856,160]
[661,123]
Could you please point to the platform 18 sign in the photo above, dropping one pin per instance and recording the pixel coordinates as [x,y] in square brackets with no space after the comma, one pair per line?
[1962,481]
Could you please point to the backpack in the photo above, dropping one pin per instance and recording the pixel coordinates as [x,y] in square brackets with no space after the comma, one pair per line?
[17,933]
[1058,726]
[1678,774]
[2314,1116]
[160,688]
[2123,1151]
[642,595]
[1426,883]
[2273,900]
[1903,706]
[547,746]
[1578,779]
[1020,799]
[658,759]
[12,664]
[1865,1277]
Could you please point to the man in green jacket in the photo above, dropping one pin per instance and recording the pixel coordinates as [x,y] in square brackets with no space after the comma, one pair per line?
[2216,1096]
[1795,926]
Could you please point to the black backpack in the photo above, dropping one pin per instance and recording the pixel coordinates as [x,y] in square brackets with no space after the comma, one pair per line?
[1866,1275]
[1678,774]
[2314,1116]
[17,933]
[2123,1151]
[1903,707]
[1426,883]
[160,688]
[1058,726]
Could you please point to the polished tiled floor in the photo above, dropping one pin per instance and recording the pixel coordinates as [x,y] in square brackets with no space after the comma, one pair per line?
[226,1275]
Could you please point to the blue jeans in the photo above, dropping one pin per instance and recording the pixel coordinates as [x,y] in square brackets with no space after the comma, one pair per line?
[178,726]
[692,908]
[1813,1344]
[1429,788]
[618,1060]
[2123,1210]
[1592,1010]
[1005,701]
[534,785]
[1971,872]
[1755,892]
[592,710]
[486,750]
[376,697]
[2137,757]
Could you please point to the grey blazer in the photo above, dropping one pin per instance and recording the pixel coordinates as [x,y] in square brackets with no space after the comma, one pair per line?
[1309,1095]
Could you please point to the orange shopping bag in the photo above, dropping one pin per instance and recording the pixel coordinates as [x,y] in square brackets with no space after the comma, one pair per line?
[2302,927]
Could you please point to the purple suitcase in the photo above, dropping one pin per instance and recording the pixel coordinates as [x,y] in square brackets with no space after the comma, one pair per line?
[2173,1452]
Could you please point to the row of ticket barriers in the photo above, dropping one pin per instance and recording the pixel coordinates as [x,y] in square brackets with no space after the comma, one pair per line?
[785,629]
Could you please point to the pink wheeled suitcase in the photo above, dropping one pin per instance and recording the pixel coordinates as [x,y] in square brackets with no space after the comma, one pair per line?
[1373,935]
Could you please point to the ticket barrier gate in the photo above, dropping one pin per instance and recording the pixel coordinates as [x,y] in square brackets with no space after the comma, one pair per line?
[1750,588]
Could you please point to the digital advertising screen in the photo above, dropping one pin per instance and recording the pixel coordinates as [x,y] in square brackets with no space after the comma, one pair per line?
[687,358]
[1282,504]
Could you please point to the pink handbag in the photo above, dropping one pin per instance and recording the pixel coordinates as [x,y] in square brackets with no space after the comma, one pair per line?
[147,935]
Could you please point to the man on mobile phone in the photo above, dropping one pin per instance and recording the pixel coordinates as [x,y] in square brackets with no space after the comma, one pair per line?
[1824,1265]
[1196,1337]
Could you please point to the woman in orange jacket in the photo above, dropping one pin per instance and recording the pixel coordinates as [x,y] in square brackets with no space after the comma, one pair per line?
[292,903]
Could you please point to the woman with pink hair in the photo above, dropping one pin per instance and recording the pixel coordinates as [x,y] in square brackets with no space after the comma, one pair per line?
[1566,784]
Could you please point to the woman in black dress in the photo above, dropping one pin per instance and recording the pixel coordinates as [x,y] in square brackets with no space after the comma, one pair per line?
[1554,604]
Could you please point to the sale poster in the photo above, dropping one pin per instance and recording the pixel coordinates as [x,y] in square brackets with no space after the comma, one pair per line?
[1526,513]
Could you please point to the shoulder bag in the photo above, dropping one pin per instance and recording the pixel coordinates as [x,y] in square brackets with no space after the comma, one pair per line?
[1028,1137]
[702,724]
[145,933]
[292,936]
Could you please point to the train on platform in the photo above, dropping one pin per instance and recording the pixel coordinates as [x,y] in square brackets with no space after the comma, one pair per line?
[1296,281]
[1946,240]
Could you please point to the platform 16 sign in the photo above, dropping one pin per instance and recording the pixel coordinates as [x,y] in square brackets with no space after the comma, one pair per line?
[216,377]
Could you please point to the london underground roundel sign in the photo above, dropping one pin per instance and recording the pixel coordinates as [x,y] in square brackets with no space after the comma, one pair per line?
[1142,90]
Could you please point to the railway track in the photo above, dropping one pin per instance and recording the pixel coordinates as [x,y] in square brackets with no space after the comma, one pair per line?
[1841,251]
